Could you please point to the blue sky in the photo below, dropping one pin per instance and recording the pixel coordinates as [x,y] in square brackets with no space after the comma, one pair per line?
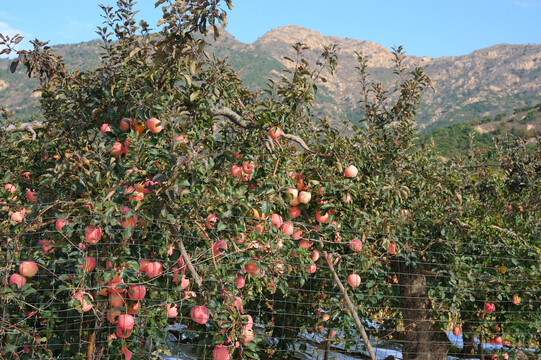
[432,28]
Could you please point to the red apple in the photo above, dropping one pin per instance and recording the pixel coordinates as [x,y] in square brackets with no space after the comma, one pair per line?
[89,264]
[172,311]
[305,197]
[117,149]
[17,216]
[294,196]
[391,249]
[276,220]
[248,167]
[236,170]
[30,195]
[354,280]
[351,171]
[105,128]
[199,314]
[347,199]
[116,299]
[125,124]
[114,285]
[516,299]
[10,187]
[489,307]
[123,334]
[356,245]
[143,264]
[92,234]
[154,269]
[28,268]
[247,334]
[154,125]
[287,229]
[294,212]
[85,305]
[238,303]
[329,259]
[322,219]
[60,223]
[17,279]
[305,244]
[457,331]
[315,255]
[220,353]
[137,292]
[275,132]
[133,307]
[218,246]
[125,322]
[252,268]
[240,282]
[311,269]
[113,314]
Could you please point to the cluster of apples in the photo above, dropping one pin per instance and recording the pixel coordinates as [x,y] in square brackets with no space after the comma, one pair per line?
[125,302]
[118,149]
[17,216]
[244,171]
[26,269]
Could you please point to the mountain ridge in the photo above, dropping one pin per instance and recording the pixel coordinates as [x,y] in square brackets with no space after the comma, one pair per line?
[485,82]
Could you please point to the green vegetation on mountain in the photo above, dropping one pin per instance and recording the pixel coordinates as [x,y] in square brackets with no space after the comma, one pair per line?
[456,139]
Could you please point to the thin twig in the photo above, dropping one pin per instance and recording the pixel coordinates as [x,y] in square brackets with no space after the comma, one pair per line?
[510,233]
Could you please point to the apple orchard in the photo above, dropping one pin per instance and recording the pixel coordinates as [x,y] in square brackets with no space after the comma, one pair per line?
[157,195]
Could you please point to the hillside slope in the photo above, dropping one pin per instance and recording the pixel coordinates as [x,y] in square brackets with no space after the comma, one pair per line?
[484,83]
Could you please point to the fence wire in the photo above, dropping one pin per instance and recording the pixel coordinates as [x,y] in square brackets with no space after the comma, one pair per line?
[264,294]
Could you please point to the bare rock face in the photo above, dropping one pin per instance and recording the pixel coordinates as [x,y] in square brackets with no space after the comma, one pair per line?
[464,86]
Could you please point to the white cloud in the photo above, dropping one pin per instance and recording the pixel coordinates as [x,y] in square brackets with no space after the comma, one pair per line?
[525,4]
[5,29]
[9,31]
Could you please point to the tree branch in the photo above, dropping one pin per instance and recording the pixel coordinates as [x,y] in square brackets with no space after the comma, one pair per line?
[350,305]
[231,115]
[237,119]
[509,232]
[186,257]
[30,127]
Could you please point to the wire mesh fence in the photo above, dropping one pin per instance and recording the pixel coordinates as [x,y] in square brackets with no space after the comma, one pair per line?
[79,286]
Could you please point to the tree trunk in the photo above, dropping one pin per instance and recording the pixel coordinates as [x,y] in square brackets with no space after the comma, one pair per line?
[421,341]
[468,339]
[95,346]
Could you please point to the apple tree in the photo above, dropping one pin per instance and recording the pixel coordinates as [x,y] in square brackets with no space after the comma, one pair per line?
[160,197]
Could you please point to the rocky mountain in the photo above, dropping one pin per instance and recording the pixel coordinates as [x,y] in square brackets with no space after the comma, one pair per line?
[484,83]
